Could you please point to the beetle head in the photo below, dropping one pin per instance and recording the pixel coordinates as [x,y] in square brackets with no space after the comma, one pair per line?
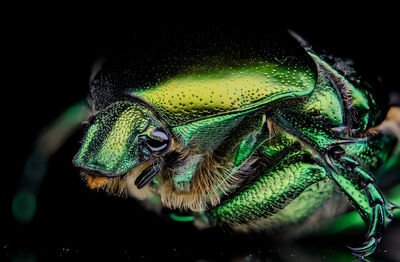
[121,137]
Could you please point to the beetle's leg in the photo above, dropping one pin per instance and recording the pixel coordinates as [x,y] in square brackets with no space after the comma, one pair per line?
[359,186]
[271,191]
[348,172]
[48,142]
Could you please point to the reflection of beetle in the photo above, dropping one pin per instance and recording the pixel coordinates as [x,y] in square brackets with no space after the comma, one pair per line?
[251,141]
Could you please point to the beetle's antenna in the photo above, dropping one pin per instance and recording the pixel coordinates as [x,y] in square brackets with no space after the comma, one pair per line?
[96,67]
[90,110]
[304,43]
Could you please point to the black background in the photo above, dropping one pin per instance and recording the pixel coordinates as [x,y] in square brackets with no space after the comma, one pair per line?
[48,60]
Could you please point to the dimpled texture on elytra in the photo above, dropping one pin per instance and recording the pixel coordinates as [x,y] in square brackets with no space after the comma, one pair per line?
[193,97]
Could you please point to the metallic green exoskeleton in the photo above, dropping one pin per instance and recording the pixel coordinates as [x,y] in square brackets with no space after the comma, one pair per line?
[255,141]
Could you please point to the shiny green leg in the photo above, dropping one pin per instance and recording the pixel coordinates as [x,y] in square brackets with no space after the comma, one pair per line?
[271,191]
[364,195]
[349,173]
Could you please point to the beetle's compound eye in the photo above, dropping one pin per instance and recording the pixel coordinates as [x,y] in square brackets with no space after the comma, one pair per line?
[158,141]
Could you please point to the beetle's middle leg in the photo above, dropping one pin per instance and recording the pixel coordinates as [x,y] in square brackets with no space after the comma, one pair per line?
[345,162]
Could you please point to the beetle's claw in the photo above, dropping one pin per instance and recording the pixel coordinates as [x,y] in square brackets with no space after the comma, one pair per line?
[366,250]
[361,259]
[393,206]
[380,216]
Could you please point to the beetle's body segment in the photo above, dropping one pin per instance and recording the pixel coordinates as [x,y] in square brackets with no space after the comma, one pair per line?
[195,97]
[258,143]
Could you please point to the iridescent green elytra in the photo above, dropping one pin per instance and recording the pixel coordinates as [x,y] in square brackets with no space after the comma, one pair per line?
[259,141]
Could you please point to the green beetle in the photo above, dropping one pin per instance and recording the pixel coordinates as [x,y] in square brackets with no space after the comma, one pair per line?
[253,141]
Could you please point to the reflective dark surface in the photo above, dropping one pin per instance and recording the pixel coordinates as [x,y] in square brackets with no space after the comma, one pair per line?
[50,68]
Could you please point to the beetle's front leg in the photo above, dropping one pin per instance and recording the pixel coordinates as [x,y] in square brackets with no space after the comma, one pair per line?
[362,191]
[347,171]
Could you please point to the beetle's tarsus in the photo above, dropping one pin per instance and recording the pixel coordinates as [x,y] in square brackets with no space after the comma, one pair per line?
[366,250]
[361,259]
[345,168]
[379,217]
[336,152]
[364,177]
